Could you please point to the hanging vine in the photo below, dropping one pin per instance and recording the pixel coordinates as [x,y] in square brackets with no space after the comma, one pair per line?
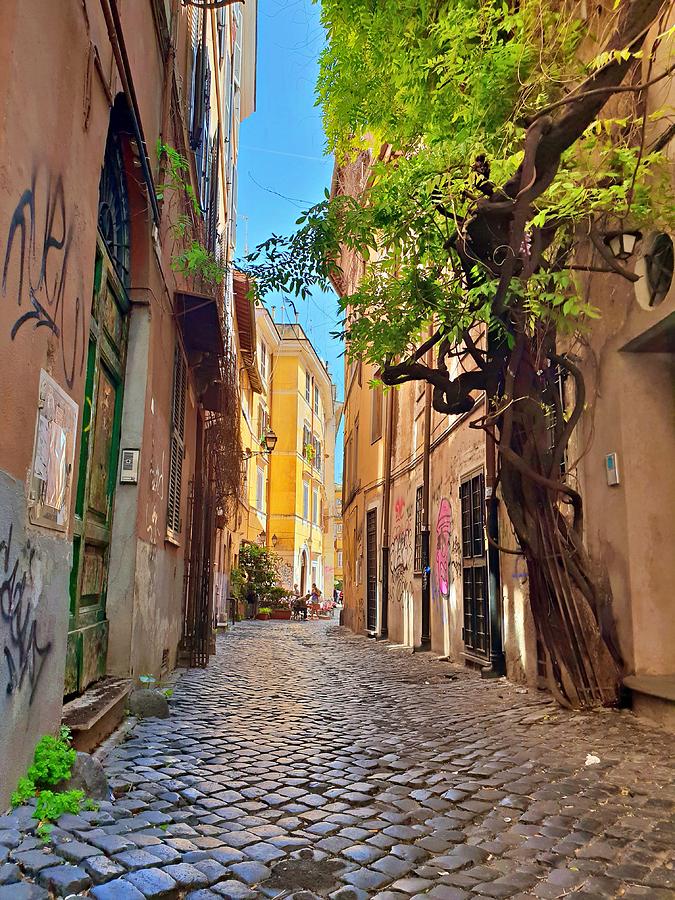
[513,138]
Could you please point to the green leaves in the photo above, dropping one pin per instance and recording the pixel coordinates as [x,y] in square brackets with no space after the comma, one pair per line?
[424,104]
[53,760]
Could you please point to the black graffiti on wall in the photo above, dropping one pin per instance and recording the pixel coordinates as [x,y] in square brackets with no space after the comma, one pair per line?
[24,654]
[40,241]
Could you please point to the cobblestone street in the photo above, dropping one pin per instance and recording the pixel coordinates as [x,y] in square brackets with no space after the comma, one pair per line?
[307,762]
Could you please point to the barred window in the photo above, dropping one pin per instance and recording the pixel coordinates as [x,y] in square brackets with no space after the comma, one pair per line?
[419,514]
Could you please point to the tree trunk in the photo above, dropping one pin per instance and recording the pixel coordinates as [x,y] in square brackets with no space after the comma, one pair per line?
[568,605]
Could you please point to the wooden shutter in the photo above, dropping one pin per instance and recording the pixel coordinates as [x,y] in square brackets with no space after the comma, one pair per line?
[173,520]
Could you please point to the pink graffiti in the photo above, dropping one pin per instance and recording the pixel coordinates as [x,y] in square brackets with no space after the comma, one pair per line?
[443,524]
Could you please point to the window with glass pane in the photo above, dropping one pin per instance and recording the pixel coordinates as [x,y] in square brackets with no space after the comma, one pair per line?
[260,489]
[476,630]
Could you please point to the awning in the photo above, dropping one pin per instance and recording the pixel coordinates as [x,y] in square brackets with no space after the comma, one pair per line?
[198,317]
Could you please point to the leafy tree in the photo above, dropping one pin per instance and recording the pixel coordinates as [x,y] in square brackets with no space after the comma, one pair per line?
[477,174]
[256,579]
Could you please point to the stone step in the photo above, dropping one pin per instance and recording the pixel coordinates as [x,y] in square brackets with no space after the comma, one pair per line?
[654,698]
[96,713]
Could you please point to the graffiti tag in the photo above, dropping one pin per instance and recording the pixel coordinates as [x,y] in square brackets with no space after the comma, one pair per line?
[41,245]
[24,654]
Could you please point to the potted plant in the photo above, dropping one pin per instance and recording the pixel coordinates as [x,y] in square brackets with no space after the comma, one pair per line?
[281,606]
[257,580]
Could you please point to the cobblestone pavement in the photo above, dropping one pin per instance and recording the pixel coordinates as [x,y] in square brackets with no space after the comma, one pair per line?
[306,762]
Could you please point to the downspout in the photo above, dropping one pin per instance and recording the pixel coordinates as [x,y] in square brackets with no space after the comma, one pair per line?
[425,641]
[497,666]
[388,449]
[114,26]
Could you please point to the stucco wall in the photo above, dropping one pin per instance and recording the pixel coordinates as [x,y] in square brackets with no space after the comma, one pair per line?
[34,571]
[629,526]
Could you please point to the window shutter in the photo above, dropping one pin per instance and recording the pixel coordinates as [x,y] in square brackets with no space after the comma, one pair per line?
[177,452]
[212,213]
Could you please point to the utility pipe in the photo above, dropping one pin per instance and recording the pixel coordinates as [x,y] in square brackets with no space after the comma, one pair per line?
[386,503]
[425,641]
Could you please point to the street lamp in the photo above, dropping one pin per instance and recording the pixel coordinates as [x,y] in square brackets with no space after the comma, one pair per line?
[270,442]
[622,243]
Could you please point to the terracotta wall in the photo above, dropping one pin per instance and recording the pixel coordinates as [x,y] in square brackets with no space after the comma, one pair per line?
[54,119]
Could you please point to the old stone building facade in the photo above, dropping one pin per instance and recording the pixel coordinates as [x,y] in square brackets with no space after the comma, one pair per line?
[419,567]
[116,360]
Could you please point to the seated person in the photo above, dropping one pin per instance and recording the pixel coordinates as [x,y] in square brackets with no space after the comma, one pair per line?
[300,607]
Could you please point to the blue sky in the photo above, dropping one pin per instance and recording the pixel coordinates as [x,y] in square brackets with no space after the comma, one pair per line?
[282,167]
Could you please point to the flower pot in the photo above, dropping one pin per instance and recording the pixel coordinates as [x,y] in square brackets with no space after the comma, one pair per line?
[262,616]
[280,614]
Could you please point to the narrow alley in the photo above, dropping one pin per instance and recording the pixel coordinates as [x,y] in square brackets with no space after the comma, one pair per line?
[309,762]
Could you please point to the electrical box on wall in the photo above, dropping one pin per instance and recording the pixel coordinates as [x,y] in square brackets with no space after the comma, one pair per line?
[612,469]
[129,466]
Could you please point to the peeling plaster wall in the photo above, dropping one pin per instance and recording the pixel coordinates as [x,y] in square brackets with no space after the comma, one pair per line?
[34,572]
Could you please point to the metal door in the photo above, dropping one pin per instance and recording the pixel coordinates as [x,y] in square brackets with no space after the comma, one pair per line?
[371,570]
[476,631]
[99,450]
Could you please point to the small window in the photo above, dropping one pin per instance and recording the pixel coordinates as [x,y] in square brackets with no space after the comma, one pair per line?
[308,387]
[260,490]
[316,399]
[419,514]
[338,528]
[263,360]
[306,441]
[315,506]
[375,414]
[339,559]
[305,500]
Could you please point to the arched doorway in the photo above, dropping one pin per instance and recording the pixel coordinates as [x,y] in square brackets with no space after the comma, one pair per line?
[101,420]
[303,573]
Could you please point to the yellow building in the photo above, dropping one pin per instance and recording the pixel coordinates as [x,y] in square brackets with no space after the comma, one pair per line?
[337,521]
[289,494]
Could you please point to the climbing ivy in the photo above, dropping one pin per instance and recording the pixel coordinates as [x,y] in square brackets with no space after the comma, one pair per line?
[193,259]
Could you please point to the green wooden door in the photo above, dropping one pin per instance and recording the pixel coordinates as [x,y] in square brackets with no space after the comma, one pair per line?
[97,477]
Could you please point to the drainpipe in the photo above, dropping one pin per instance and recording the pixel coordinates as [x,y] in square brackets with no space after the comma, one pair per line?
[388,450]
[497,666]
[425,642]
